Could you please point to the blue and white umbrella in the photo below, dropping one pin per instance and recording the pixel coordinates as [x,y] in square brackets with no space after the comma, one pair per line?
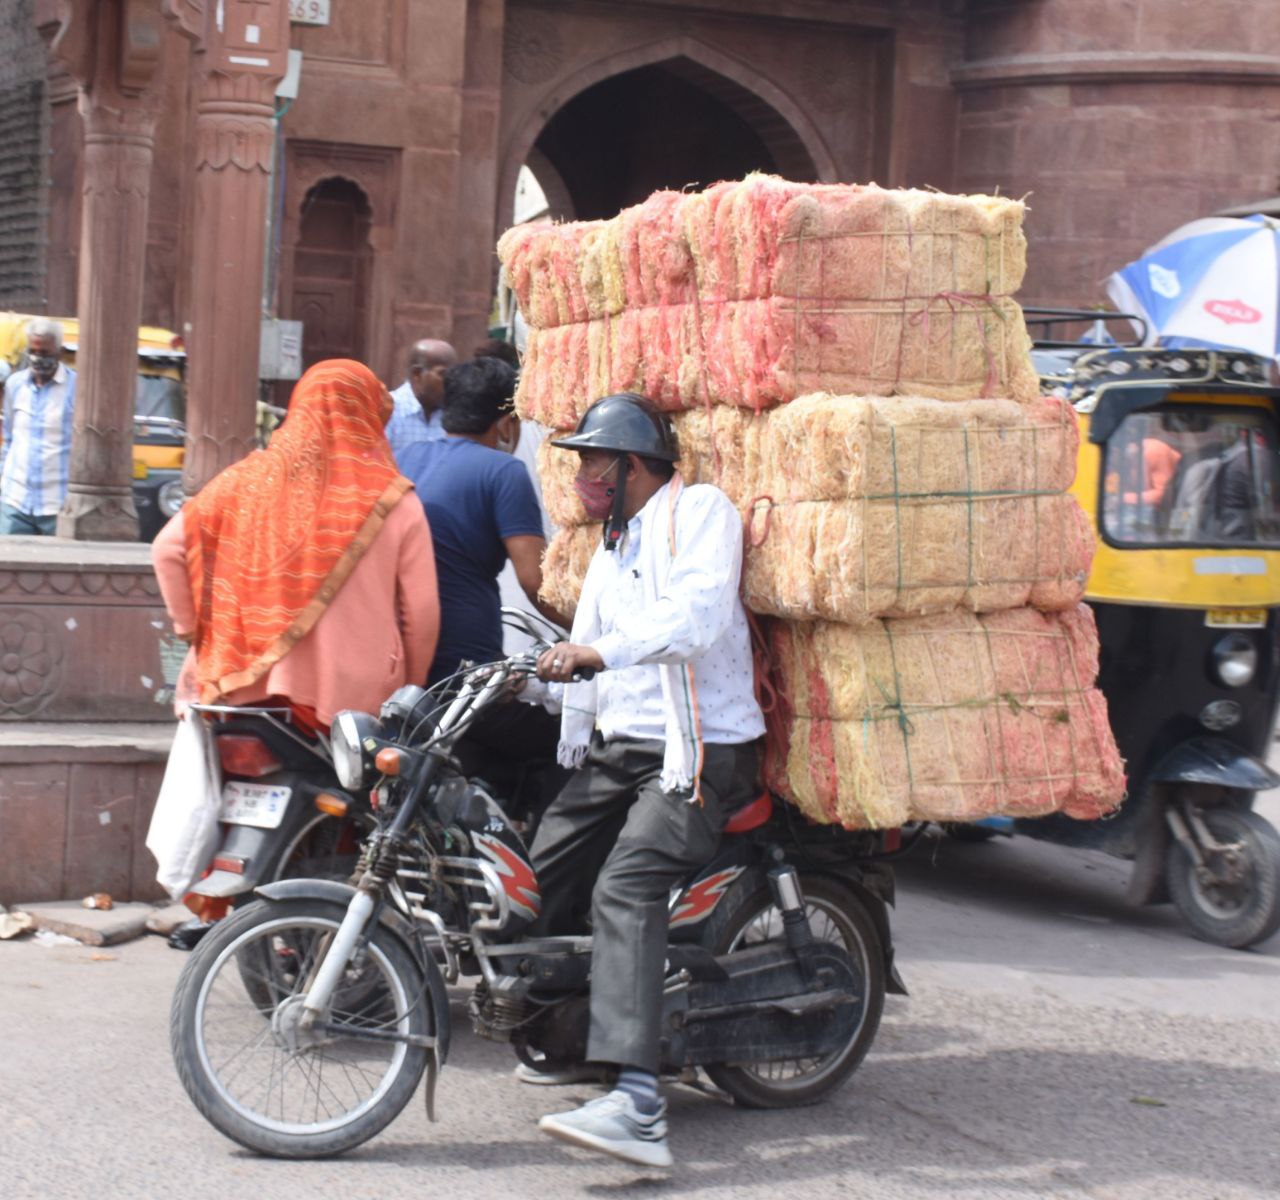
[1214,282]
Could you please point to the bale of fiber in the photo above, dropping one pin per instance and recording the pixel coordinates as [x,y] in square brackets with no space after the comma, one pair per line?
[824,447]
[762,237]
[761,353]
[854,561]
[951,717]
[765,236]
[564,565]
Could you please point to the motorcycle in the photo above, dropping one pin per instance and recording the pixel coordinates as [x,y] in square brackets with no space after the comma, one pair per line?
[283,812]
[302,1025]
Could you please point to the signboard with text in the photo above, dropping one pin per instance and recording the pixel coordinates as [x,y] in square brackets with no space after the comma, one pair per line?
[309,12]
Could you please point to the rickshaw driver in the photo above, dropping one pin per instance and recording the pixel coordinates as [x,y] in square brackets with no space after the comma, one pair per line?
[666,741]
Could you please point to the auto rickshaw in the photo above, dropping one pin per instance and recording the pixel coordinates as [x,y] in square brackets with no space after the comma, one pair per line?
[159,431]
[1179,468]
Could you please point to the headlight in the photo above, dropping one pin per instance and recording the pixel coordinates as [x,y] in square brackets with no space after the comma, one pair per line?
[171,497]
[347,738]
[1220,714]
[1235,660]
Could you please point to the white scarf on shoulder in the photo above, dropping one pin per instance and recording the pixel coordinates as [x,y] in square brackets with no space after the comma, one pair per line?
[682,761]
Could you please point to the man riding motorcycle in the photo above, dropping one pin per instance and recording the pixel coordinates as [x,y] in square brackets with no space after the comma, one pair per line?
[665,740]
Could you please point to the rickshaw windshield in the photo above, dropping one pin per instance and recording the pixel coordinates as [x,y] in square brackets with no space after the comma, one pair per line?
[1193,475]
[159,396]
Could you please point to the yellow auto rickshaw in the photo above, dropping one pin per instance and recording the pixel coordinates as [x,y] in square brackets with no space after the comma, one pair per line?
[159,433]
[1180,469]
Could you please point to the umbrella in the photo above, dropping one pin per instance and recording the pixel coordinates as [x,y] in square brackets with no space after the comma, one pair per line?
[1214,282]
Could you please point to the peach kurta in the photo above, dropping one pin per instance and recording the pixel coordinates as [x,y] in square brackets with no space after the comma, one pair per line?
[377,633]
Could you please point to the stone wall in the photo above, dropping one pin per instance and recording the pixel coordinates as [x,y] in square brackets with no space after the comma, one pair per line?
[23,160]
[86,671]
[1118,121]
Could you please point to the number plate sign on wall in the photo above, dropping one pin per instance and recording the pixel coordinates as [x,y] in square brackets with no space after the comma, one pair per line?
[309,12]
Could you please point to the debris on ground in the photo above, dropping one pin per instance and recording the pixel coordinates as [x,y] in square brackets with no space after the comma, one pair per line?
[13,923]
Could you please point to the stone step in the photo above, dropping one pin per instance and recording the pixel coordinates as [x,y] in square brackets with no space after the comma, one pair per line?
[92,926]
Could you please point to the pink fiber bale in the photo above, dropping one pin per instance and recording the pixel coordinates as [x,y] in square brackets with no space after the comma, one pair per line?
[948,718]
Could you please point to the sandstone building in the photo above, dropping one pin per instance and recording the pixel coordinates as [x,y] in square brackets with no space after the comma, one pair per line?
[397,163]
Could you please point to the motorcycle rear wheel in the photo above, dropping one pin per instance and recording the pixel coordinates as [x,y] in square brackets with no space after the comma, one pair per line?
[267,1084]
[835,915]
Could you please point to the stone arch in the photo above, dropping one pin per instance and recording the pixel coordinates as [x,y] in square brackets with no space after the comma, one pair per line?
[791,137]
[374,171]
[332,259]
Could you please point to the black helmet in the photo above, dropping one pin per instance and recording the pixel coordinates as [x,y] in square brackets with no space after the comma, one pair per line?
[627,423]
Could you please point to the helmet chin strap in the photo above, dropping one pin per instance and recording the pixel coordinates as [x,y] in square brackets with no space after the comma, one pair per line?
[616,525]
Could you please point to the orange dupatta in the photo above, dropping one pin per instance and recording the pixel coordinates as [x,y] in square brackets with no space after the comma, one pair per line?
[271,539]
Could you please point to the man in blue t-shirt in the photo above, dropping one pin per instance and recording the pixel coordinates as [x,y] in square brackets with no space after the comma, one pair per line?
[482,510]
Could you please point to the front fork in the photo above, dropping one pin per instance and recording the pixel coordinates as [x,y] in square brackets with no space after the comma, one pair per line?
[336,956]
[1215,861]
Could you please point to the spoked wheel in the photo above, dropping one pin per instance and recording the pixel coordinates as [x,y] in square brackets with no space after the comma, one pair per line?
[323,847]
[836,916]
[263,1078]
[1234,899]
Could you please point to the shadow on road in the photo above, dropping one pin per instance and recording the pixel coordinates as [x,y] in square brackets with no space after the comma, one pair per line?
[1052,897]
[999,1120]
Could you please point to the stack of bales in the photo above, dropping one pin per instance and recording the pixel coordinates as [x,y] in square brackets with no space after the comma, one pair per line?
[849,365]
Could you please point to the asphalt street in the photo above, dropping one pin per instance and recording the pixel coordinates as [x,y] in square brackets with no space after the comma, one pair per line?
[1055,1043]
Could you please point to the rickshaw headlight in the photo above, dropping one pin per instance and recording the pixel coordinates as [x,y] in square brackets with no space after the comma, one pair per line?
[1218,715]
[1235,659]
[171,497]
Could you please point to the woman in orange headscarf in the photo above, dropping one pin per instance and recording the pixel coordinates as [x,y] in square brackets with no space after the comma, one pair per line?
[298,574]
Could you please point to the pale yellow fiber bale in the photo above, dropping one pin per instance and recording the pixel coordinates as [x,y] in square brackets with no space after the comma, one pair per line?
[853,561]
[949,718]
[564,566]
[824,447]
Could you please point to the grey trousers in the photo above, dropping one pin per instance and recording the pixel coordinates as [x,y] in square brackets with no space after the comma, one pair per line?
[613,827]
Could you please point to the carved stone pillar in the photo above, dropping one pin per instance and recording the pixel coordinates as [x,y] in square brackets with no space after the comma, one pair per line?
[241,57]
[112,50]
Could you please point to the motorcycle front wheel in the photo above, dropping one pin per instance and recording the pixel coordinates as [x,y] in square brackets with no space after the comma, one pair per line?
[747,918]
[256,1073]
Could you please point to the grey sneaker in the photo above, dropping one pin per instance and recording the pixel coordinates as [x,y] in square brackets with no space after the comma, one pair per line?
[612,1125]
[578,1073]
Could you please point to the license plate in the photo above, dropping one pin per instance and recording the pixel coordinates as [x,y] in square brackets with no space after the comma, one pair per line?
[259,804]
[1236,618]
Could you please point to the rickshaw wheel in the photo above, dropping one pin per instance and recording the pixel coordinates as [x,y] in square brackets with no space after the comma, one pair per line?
[1238,904]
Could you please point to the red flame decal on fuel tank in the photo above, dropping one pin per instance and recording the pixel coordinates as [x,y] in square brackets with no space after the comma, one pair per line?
[696,903]
[518,879]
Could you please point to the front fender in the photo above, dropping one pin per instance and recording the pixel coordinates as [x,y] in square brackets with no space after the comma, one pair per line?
[333,892]
[1213,761]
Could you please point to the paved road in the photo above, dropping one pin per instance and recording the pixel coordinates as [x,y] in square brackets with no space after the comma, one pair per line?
[1055,1044]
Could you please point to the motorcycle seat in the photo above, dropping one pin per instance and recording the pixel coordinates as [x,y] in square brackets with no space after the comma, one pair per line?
[751,816]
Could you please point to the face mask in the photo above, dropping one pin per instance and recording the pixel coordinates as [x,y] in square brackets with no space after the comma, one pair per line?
[596,495]
[44,365]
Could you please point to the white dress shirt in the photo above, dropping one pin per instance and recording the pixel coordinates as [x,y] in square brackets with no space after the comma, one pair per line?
[698,618]
[409,424]
[37,441]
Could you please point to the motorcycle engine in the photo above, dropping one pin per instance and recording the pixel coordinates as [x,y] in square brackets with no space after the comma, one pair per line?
[476,820]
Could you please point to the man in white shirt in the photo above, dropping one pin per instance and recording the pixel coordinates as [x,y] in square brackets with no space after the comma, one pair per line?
[665,738]
[39,406]
[419,400]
